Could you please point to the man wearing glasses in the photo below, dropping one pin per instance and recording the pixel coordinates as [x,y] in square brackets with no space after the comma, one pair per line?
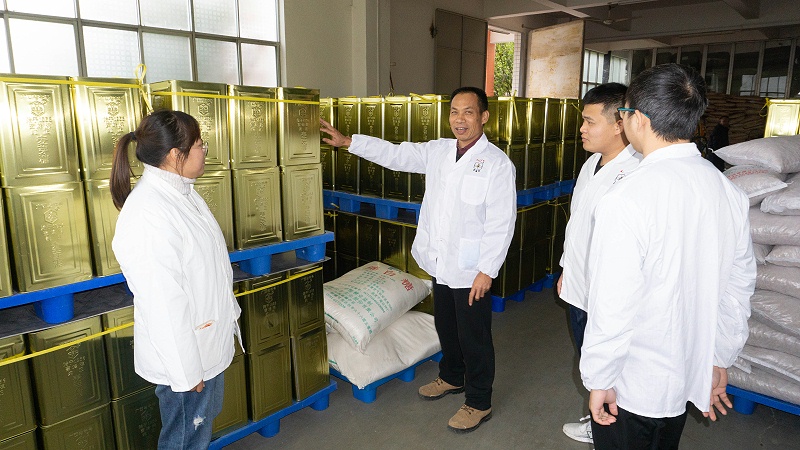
[670,275]
[602,134]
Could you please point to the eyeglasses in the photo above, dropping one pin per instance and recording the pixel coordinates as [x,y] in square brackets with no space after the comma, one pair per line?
[630,110]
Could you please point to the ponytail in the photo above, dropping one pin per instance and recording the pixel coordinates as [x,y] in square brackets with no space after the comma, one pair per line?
[120,182]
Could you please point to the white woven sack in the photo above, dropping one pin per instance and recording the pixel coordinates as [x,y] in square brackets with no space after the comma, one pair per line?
[756,182]
[784,255]
[764,336]
[779,154]
[760,251]
[785,280]
[765,383]
[364,301]
[773,229]
[785,202]
[407,341]
[777,310]
[777,363]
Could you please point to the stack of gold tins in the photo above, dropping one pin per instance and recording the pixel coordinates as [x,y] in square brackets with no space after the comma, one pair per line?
[552,141]
[567,148]
[234,402]
[299,158]
[310,370]
[105,110]
[508,280]
[328,109]
[397,129]
[72,388]
[537,112]
[41,184]
[267,346]
[208,103]
[134,405]
[560,207]
[347,164]
[253,117]
[17,412]
[783,118]
[508,129]
[370,174]
[536,243]
[430,120]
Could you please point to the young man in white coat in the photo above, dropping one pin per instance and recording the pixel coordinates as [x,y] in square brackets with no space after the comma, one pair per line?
[465,228]
[602,134]
[670,272]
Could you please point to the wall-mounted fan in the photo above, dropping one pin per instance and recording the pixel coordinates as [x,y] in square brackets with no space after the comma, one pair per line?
[609,20]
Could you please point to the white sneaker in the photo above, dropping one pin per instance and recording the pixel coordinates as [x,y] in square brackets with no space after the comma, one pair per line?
[581,432]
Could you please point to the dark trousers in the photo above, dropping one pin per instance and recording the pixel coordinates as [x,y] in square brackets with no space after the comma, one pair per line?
[465,333]
[577,322]
[635,432]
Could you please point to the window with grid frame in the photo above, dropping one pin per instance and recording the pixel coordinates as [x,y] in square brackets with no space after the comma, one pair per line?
[220,41]
[594,73]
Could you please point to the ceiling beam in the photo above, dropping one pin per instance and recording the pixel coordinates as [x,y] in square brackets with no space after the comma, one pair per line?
[748,9]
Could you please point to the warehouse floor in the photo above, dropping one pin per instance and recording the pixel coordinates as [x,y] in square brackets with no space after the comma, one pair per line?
[537,388]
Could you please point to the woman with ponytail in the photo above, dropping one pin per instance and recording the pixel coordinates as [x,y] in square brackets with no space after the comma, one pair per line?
[173,255]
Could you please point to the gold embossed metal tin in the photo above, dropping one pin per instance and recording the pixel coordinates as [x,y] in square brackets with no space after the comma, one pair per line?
[72,380]
[102,223]
[310,368]
[537,108]
[26,441]
[552,118]
[368,239]
[88,430]
[5,262]
[265,312]
[37,132]
[492,127]
[517,154]
[570,111]
[328,110]
[536,224]
[412,266]
[137,419]
[206,102]
[298,125]
[542,250]
[16,393]
[371,116]
[396,184]
[560,215]
[345,263]
[444,122]
[397,118]
[512,120]
[393,248]
[550,172]
[347,167]
[105,110]
[234,403]
[507,282]
[301,188]
[416,190]
[306,302]
[783,118]
[427,117]
[370,181]
[215,188]
[119,354]
[327,157]
[253,127]
[346,234]
[49,235]
[257,207]
[269,375]
[347,115]
[533,165]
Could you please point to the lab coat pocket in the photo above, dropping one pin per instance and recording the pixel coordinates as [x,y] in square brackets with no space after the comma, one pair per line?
[209,343]
[469,252]
[473,190]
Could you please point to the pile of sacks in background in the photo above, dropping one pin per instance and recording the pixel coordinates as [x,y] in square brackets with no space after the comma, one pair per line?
[768,171]
[371,332]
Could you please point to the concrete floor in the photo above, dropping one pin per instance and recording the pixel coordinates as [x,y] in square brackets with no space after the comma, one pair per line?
[537,388]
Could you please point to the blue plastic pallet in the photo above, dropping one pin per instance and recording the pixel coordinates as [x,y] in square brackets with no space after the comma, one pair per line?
[566,187]
[530,196]
[384,208]
[499,303]
[370,391]
[744,402]
[56,305]
[271,425]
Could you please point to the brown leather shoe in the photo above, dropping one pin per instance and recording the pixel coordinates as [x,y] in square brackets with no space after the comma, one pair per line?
[468,419]
[437,389]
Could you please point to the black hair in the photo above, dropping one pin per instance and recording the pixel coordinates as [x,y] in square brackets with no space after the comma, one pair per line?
[156,135]
[483,100]
[673,97]
[610,95]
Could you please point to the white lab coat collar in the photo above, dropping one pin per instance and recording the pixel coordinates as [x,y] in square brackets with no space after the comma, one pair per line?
[671,151]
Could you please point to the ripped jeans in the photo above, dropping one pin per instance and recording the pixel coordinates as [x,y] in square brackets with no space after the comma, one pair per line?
[186,417]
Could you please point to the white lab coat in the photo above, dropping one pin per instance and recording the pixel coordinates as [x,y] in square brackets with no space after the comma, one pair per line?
[670,271]
[589,189]
[468,211]
[173,255]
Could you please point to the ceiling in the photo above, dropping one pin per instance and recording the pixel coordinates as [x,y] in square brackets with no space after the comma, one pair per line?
[631,24]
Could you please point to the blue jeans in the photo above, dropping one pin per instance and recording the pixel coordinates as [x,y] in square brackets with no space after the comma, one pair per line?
[186,417]
[577,321]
